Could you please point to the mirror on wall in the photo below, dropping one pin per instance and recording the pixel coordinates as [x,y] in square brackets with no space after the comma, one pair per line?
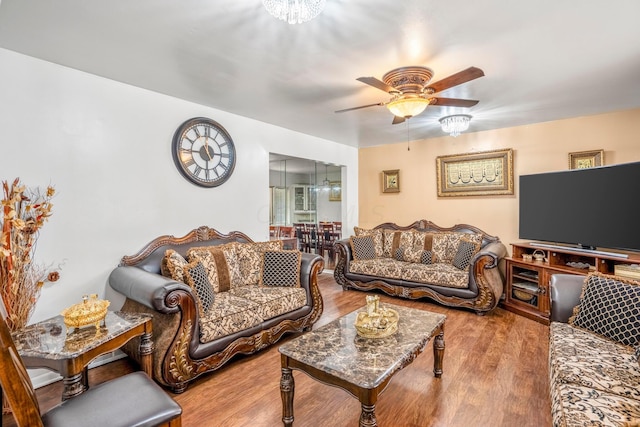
[303,191]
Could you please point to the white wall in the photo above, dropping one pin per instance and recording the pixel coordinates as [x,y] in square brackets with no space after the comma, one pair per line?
[105,146]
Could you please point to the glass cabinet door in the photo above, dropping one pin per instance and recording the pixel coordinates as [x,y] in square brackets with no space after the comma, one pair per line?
[299,198]
[312,197]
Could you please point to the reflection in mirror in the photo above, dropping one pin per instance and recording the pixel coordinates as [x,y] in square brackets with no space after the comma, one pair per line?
[303,191]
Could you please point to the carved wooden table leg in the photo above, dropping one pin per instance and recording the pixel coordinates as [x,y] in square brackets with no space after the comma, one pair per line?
[73,386]
[287,386]
[146,352]
[368,416]
[438,353]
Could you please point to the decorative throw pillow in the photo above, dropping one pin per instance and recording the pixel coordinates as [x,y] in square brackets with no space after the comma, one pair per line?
[398,255]
[466,251]
[609,306]
[249,259]
[426,257]
[196,277]
[362,247]
[172,265]
[215,263]
[376,234]
[407,238]
[413,254]
[445,245]
[387,242]
[423,240]
[229,252]
[281,268]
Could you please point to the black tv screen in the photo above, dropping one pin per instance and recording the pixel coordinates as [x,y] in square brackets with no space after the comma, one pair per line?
[594,207]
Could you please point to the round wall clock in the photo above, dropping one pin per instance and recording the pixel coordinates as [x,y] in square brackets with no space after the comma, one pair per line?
[203,152]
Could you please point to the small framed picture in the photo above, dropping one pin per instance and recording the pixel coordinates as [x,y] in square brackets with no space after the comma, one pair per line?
[586,159]
[335,191]
[391,181]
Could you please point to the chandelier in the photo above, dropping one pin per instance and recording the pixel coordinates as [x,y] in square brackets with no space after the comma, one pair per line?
[408,106]
[455,124]
[294,11]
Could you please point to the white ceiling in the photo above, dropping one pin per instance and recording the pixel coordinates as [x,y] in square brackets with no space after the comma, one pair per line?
[543,60]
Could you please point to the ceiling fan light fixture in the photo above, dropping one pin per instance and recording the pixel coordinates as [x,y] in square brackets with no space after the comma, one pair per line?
[408,107]
[294,11]
[455,124]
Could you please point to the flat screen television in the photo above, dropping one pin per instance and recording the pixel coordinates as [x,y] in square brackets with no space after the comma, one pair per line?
[589,208]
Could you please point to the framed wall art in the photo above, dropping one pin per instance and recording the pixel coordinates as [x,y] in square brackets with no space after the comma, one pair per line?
[475,174]
[586,159]
[391,181]
[335,191]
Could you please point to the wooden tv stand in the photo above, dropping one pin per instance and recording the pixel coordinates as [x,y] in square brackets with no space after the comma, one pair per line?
[527,288]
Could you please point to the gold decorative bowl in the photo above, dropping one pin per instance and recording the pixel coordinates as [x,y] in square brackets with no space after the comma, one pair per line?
[91,311]
[522,295]
[380,325]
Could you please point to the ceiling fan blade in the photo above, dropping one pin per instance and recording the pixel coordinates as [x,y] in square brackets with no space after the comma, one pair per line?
[372,81]
[456,79]
[397,120]
[453,102]
[357,108]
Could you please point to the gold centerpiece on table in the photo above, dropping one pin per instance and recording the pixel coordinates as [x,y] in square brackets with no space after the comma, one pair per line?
[376,322]
[91,311]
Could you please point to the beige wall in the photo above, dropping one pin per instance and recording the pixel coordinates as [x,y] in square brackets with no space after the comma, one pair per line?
[537,148]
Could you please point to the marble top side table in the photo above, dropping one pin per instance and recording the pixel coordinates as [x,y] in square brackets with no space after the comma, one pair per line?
[48,344]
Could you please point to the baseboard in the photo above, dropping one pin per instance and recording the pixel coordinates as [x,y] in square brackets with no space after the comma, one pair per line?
[44,377]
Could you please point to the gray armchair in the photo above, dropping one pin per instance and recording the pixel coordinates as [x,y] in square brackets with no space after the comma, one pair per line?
[565,295]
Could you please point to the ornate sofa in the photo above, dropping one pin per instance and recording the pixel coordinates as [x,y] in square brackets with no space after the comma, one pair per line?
[236,296]
[456,266]
[593,351]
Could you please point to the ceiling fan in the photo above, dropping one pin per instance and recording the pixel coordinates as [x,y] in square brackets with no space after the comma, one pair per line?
[411,92]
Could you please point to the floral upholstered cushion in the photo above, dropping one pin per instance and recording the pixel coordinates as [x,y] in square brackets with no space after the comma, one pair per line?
[594,380]
[440,274]
[610,306]
[249,258]
[172,265]
[387,242]
[273,300]
[229,314]
[382,267]
[584,358]
[577,406]
[424,240]
[445,245]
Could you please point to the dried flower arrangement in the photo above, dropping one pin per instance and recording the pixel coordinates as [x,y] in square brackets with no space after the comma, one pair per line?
[24,212]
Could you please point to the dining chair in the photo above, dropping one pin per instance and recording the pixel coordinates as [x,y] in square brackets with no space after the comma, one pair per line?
[286,232]
[303,239]
[337,225]
[127,401]
[328,239]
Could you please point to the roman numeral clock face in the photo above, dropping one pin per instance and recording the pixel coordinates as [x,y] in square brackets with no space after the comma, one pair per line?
[203,152]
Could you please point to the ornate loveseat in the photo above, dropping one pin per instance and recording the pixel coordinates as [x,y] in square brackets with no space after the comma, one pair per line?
[594,342]
[225,295]
[456,266]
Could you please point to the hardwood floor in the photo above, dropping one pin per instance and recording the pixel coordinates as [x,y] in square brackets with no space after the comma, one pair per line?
[495,374]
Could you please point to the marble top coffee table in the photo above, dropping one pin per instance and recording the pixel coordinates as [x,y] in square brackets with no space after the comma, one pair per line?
[334,354]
